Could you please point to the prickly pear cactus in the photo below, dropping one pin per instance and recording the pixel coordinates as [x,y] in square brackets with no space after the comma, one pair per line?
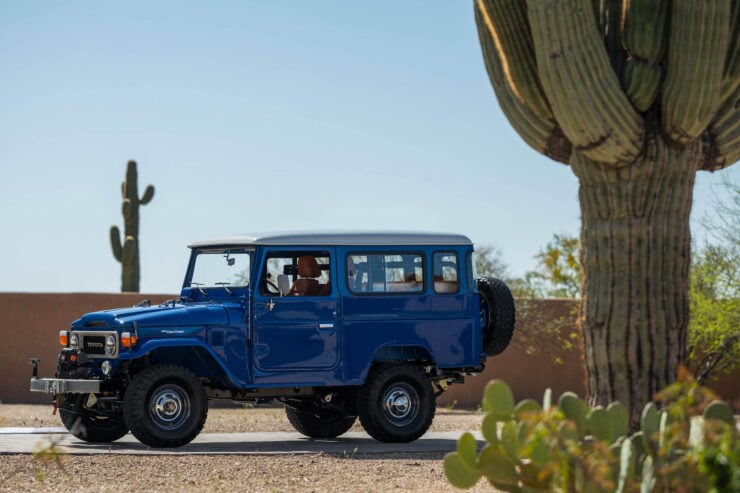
[691,444]
[636,96]
[128,252]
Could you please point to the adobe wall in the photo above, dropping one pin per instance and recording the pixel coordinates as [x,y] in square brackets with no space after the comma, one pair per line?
[30,324]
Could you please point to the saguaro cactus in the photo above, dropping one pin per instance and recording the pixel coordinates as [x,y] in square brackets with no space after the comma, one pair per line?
[636,96]
[128,252]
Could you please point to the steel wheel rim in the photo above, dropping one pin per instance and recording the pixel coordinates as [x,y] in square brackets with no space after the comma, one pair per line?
[400,404]
[169,407]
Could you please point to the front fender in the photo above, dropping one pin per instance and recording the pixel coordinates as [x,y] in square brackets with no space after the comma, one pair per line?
[193,354]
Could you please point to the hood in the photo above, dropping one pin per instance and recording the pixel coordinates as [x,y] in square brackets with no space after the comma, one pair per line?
[171,314]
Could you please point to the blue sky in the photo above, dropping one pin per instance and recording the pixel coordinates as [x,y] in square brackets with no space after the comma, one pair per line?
[256,116]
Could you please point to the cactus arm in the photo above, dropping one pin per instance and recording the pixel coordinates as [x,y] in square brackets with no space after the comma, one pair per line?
[643,28]
[609,22]
[115,242]
[698,43]
[148,194]
[506,24]
[583,90]
[643,36]
[731,76]
[724,135]
[532,121]
[641,82]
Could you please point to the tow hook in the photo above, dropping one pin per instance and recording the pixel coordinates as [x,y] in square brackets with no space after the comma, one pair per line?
[35,363]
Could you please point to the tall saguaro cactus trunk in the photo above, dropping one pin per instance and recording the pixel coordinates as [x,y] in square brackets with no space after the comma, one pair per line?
[128,252]
[635,255]
[636,96]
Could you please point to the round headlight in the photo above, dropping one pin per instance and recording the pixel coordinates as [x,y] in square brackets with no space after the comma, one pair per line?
[107,367]
[110,345]
[74,341]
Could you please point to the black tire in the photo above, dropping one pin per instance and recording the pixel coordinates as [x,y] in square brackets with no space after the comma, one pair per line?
[397,403]
[165,406]
[83,423]
[498,303]
[319,423]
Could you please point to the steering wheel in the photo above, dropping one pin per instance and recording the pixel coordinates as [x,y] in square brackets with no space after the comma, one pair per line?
[271,287]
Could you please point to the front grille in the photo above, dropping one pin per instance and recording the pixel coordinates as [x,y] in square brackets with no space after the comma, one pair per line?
[93,344]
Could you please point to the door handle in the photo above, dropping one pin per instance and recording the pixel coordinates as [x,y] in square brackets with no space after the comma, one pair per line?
[326,326]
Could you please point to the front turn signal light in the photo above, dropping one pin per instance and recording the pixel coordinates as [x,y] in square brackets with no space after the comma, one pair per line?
[128,339]
[63,337]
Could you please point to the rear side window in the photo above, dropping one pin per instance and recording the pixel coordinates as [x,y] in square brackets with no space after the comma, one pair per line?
[392,273]
[446,273]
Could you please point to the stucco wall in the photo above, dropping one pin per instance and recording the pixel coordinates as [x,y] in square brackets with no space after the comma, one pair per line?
[29,327]
[30,324]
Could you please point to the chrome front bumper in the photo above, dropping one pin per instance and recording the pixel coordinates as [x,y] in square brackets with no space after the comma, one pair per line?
[65,386]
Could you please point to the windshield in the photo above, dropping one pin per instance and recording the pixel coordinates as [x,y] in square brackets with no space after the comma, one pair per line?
[217,267]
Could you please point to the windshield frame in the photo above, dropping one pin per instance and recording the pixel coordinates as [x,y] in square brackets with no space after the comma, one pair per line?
[188,288]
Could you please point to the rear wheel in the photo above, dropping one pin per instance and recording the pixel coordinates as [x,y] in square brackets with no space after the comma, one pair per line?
[397,403]
[318,423]
[81,416]
[498,303]
[165,406]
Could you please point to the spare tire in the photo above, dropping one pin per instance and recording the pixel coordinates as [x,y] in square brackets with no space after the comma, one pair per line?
[498,304]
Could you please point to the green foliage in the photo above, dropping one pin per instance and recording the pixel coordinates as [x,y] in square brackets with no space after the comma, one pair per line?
[714,328]
[49,452]
[558,271]
[688,444]
[127,252]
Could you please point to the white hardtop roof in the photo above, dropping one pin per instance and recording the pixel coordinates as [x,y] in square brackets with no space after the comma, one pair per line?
[355,238]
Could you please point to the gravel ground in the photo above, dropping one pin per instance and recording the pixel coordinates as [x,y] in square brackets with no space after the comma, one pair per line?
[317,472]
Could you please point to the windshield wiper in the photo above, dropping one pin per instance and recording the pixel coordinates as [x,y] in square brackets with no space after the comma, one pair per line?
[198,285]
[225,285]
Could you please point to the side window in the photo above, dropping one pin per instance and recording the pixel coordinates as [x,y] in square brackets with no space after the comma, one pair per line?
[385,273]
[296,273]
[472,273]
[446,272]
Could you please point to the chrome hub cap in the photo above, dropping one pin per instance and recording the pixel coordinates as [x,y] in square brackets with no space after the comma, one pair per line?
[400,404]
[169,406]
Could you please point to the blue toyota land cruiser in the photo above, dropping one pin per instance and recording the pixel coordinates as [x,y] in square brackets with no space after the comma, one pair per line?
[335,326]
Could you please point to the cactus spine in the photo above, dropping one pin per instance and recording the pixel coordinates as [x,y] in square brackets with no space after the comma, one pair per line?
[128,252]
[636,96]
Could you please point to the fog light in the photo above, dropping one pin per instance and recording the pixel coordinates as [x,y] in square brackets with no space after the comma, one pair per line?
[107,367]
[74,341]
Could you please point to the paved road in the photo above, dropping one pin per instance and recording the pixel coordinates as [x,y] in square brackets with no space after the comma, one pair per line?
[26,440]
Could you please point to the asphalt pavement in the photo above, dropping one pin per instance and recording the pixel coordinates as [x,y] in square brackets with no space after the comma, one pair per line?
[28,440]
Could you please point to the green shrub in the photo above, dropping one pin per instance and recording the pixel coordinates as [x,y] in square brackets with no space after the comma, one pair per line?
[689,443]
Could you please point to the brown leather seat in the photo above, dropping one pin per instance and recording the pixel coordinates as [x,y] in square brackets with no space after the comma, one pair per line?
[308,269]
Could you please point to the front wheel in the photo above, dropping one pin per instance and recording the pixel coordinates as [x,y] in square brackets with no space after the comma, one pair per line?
[165,406]
[397,403]
[81,415]
[319,423]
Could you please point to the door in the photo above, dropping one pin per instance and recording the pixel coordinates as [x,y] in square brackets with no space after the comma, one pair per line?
[295,311]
